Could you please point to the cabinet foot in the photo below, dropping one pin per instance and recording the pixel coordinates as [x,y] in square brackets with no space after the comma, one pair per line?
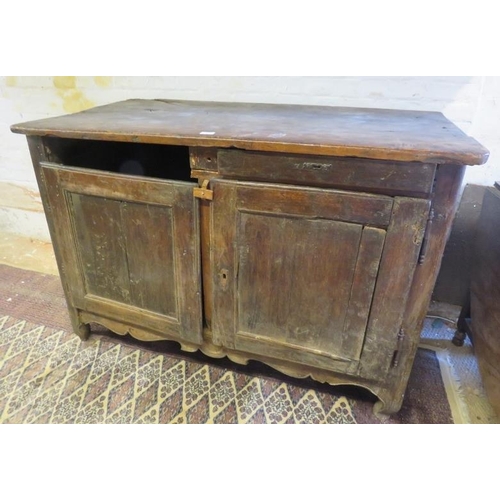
[459,338]
[83,331]
[79,327]
[383,409]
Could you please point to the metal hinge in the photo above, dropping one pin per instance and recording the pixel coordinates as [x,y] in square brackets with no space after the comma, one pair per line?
[203,192]
[425,241]
[397,353]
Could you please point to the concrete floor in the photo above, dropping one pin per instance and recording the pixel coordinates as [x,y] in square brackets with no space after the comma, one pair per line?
[27,253]
[459,365]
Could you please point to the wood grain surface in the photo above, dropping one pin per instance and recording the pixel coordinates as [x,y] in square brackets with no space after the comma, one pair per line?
[130,247]
[485,296]
[416,136]
[294,269]
[353,174]
[304,253]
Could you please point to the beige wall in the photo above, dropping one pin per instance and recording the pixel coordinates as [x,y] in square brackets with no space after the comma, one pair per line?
[471,102]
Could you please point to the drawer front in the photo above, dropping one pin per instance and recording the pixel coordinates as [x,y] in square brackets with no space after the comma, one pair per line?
[391,178]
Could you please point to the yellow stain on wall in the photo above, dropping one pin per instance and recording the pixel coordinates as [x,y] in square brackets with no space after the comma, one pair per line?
[11,81]
[64,82]
[74,99]
[103,81]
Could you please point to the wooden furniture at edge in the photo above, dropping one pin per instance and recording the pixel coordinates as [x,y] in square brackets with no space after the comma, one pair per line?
[311,240]
[485,295]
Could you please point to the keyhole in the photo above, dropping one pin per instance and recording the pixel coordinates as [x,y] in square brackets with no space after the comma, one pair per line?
[317,166]
[223,278]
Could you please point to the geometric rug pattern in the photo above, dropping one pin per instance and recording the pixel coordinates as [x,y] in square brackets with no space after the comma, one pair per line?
[49,376]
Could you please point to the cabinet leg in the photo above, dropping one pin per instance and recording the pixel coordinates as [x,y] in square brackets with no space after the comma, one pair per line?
[463,327]
[81,329]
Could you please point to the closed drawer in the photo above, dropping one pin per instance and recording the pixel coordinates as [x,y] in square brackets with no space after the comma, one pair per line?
[392,178]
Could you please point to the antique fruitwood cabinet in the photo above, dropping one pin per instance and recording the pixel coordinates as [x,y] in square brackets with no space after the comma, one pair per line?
[306,237]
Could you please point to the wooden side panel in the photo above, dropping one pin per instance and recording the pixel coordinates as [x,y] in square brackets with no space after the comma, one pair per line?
[393,178]
[148,234]
[453,287]
[69,275]
[399,259]
[363,284]
[445,202]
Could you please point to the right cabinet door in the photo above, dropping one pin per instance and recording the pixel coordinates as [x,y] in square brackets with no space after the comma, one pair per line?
[312,276]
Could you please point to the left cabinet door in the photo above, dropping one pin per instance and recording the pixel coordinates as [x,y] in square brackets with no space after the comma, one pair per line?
[130,248]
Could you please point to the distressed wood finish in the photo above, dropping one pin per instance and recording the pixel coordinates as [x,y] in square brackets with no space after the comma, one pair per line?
[275,274]
[485,296]
[99,238]
[361,293]
[392,178]
[302,249]
[148,234]
[134,245]
[203,159]
[383,134]
[277,252]
[395,276]
[444,203]
[315,203]
[39,154]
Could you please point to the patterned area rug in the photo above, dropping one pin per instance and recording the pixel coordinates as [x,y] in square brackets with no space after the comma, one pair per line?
[47,375]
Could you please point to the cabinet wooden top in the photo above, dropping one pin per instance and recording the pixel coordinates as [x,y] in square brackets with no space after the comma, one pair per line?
[321,130]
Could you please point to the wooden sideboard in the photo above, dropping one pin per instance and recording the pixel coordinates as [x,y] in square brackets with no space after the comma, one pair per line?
[305,237]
